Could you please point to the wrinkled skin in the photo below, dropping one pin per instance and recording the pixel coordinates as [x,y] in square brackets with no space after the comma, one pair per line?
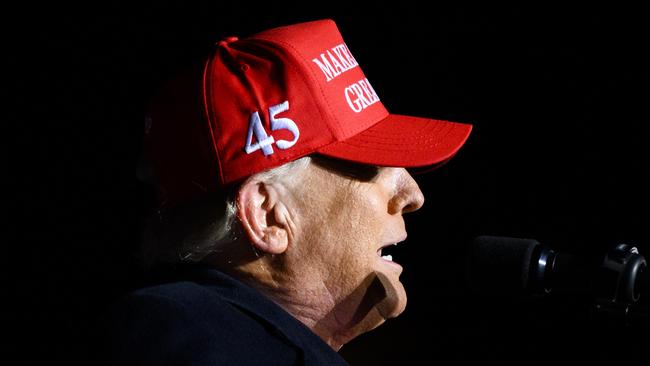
[317,243]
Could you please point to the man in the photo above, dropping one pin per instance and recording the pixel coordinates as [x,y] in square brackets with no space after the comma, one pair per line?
[281,176]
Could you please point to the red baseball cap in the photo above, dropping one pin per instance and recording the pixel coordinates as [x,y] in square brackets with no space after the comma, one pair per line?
[260,102]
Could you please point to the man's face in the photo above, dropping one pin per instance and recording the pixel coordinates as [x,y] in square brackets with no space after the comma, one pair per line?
[344,224]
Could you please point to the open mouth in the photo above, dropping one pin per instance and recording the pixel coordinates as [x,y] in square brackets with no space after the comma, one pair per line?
[386,252]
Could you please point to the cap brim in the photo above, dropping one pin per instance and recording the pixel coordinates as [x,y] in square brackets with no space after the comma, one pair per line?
[403,141]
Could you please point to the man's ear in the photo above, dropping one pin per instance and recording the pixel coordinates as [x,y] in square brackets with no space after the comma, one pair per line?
[260,211]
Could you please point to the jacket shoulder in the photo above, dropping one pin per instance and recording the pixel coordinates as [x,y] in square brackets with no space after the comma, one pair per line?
[185,323]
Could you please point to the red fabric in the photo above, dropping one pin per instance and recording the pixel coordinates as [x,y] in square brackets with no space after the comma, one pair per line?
[402,141]
[200,125]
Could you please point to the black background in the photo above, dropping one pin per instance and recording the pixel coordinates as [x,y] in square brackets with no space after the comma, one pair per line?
[557,97]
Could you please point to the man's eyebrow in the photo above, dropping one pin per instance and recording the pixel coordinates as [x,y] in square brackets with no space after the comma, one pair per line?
[348,169]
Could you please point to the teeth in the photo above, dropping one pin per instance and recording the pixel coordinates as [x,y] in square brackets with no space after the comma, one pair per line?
[387,257]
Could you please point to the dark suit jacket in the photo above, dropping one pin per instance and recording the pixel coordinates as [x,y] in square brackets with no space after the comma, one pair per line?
[209,318]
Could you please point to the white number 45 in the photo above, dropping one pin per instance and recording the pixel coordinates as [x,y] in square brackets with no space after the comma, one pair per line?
[265,141]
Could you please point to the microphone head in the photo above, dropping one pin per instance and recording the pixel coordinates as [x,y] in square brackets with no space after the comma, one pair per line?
[500,265]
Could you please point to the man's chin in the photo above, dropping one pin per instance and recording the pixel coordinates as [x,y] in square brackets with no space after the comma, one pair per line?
[394,299]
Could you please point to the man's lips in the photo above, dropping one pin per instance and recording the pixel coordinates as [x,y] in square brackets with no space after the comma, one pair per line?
[389,245]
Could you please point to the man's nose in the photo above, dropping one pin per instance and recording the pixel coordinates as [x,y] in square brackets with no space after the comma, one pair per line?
[408,196]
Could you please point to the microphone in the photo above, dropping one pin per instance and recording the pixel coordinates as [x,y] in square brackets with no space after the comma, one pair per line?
[511,266]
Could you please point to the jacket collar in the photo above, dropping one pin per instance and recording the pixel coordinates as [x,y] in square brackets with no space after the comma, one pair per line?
[243,296]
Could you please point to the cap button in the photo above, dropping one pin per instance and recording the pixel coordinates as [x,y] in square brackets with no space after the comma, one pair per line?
[227,40]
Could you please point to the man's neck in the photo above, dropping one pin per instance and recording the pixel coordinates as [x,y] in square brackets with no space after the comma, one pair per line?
[315,305]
